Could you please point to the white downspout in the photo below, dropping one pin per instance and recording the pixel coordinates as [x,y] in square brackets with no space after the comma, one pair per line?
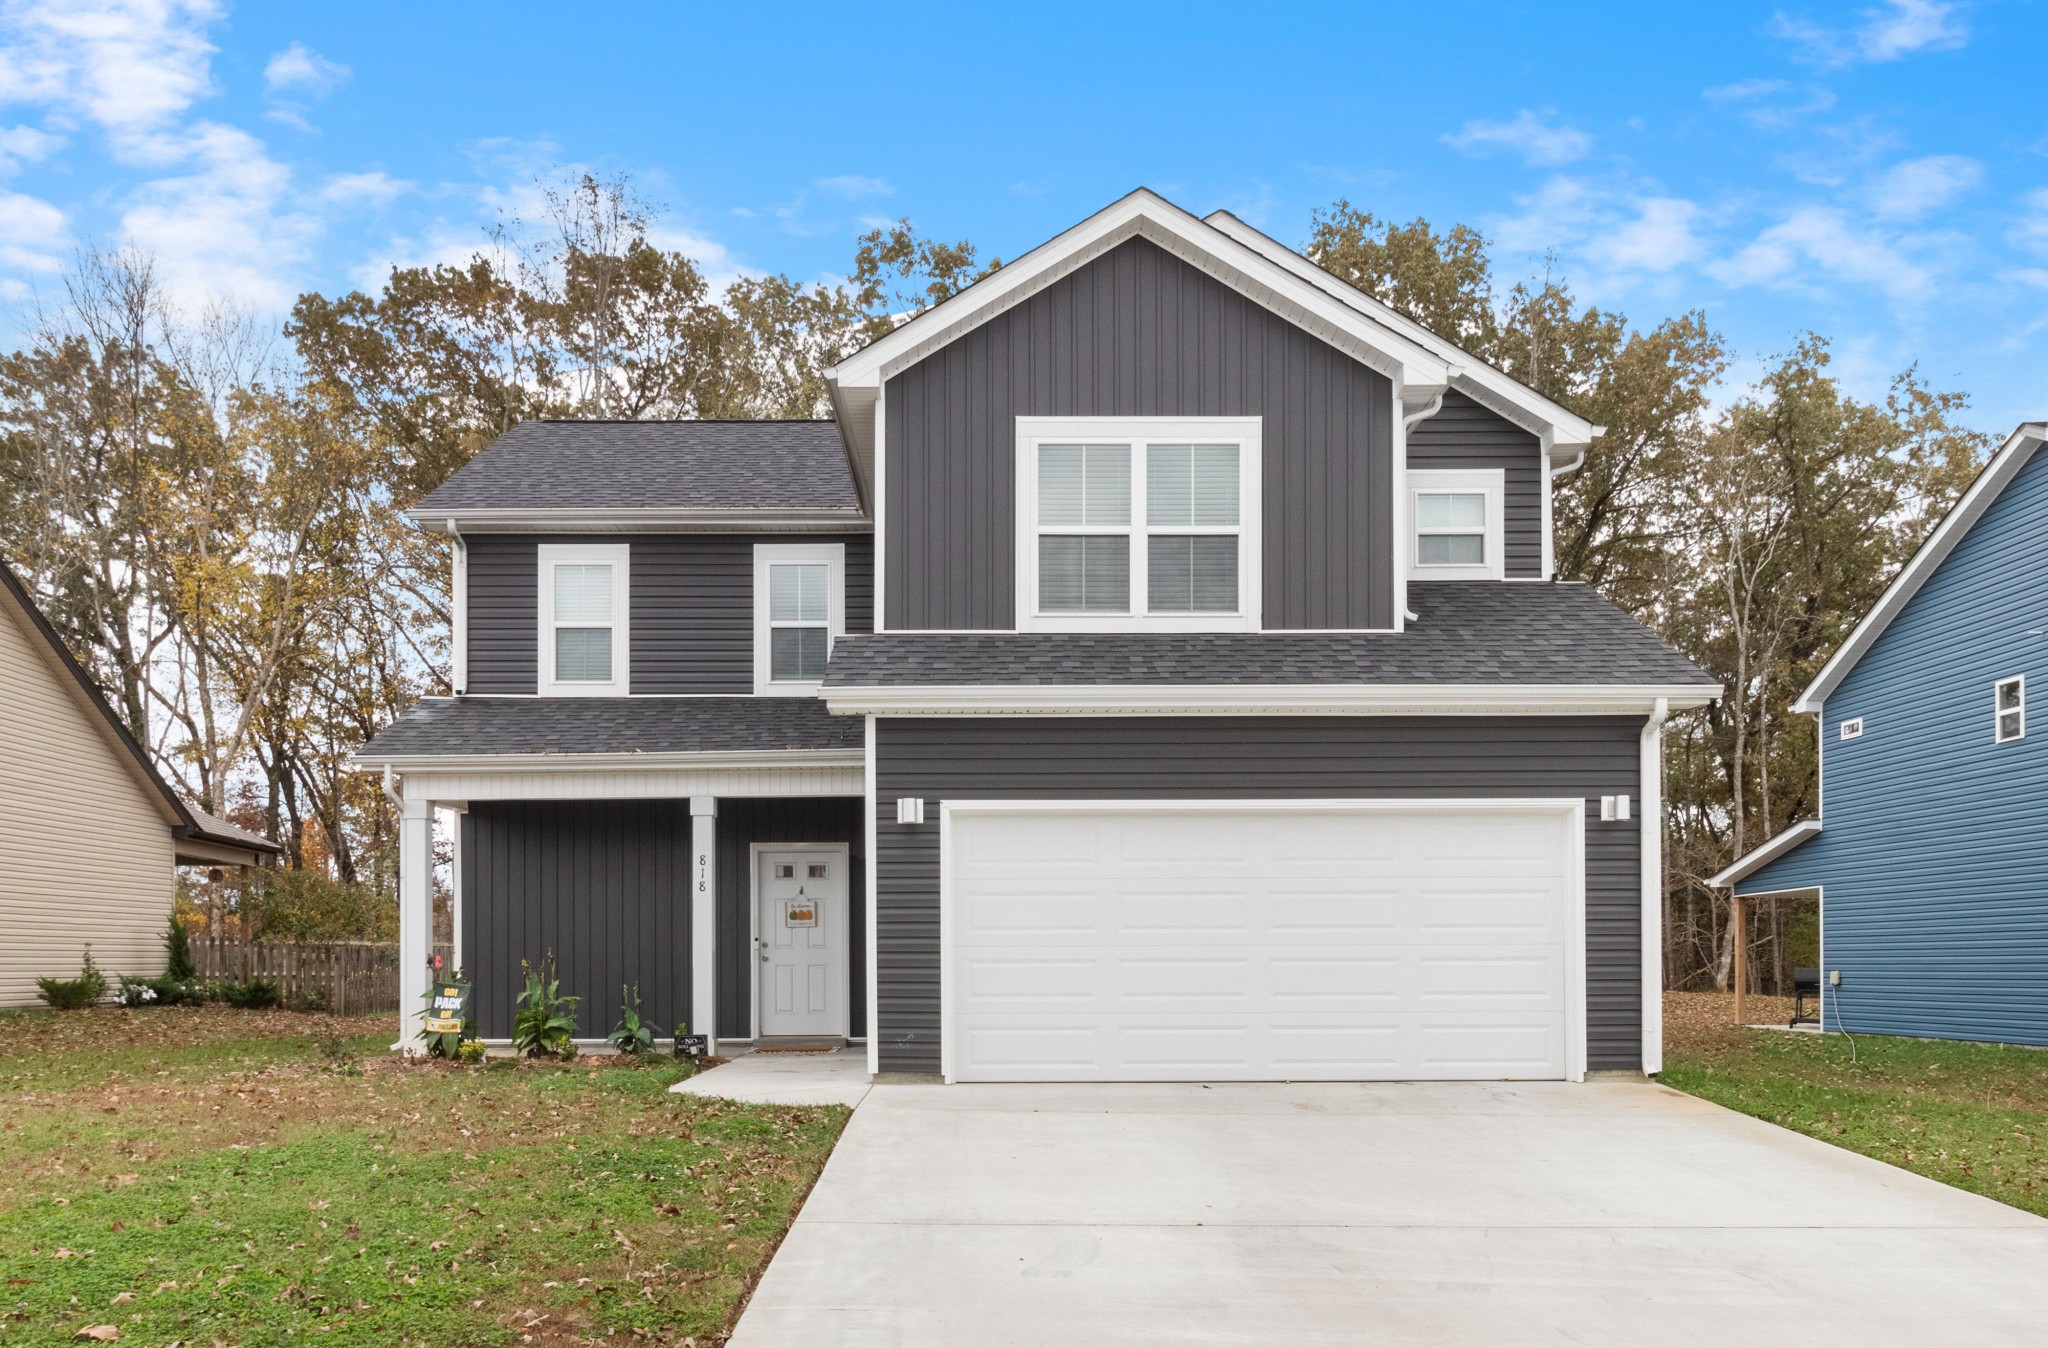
[1653,885]
[458,620]
[1403,538]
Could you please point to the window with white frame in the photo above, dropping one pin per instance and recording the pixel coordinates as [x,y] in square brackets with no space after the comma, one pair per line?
[1133,524]
[2009,702]
[1455,518]
[584,619]
[799,610]
[1852,729]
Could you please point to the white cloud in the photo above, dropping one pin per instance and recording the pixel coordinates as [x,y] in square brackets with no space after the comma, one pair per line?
[1898,28]
[227,228]
[1816,240]
[1912,188]
[1616,229]
[374,189]
[33,234]
[25,145]
[852,187]
[298,67]
[1530,135]
[130,67]
[1770,105]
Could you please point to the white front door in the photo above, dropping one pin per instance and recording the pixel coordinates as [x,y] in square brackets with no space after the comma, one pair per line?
[1258,941]
[801,940]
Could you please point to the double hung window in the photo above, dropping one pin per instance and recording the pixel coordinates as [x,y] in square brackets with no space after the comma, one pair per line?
[584,618]
[1138,525]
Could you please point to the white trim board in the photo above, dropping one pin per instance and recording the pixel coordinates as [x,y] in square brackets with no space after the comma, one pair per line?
[653,519]
[2003,466]
[1266,699]
[1756,858]
[1572,811]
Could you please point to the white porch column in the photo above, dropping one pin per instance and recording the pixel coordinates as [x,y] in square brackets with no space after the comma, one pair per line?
[455,811]
[415,916]
[704,917]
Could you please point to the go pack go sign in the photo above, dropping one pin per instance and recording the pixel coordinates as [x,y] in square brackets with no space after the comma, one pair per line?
[448,1009]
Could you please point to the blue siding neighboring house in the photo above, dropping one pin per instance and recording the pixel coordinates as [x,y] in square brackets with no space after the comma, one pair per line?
[1931,853]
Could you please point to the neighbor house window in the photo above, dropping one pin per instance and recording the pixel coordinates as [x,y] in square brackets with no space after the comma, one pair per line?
[584,601]
[1852,729]
[1137,524]
[799,610]
[2009,700]
[1456,519]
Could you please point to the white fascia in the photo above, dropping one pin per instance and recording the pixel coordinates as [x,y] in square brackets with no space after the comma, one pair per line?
[652,520]
[2002,467]
[1769,852]
[1266,699]
[856,382]
[1563,432]
[652,762]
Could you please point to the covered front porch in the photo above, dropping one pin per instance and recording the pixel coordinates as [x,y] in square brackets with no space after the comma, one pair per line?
[726,887]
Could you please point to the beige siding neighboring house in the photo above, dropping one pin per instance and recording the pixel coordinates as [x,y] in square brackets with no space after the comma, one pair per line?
[91,834]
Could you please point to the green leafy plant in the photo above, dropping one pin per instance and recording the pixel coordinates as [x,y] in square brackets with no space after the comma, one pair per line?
[75,994]
[178,965]
[470,1051]
[633,1036]
[132,991]
[544,1020]
[252,994]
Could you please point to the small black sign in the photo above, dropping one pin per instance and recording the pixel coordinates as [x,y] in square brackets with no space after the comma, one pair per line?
[692,1045]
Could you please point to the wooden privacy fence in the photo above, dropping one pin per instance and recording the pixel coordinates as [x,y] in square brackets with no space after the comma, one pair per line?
[355,978]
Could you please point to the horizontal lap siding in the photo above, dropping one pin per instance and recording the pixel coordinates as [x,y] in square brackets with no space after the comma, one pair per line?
[1464,434]
[1252,757]
[742,823]
[1138,332]
[692,607]
[1933,862]
[603,886]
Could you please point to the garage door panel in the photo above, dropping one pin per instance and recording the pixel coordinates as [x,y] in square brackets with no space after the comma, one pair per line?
[1324,944]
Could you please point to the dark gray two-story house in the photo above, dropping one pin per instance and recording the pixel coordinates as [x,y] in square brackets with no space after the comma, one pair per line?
[1154,671]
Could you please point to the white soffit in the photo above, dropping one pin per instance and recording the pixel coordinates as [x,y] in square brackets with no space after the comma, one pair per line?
[1990,481]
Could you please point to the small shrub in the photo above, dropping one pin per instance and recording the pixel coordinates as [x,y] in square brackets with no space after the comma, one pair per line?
[178,965]
[75,994]
[254,994]
[633,1036]
[337,1054]
[307,999]
[471,1051]
[133,991]
[544,1021]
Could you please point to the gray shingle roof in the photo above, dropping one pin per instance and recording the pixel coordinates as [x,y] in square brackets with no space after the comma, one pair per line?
[625,465]
[467,726]
[1466,633]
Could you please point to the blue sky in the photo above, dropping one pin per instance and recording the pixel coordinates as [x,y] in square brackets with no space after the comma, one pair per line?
[1876,172]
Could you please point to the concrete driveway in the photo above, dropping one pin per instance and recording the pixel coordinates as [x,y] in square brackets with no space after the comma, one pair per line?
[1609,1213]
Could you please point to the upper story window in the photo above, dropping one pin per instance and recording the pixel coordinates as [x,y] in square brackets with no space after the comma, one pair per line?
[584,620]
[1138,524]
[2009,703]
[799,610]
[1456,518]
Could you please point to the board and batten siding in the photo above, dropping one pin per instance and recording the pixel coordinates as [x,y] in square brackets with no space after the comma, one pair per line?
[1138,332]
[87,853]
[604,886]
[1933,859]
[1464,434]
[1274,758]
[692,607]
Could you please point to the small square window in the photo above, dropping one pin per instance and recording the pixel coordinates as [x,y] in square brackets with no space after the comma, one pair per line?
[1852,729]
[785,872]
[817,872]
[2009,708]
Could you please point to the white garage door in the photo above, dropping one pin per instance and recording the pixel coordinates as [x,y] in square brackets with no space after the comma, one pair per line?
[1261,942]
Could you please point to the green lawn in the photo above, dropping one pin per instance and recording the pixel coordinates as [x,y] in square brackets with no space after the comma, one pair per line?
[1971,1115]
[244,1178]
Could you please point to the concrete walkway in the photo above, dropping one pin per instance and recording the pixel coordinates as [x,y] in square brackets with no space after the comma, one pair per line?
[836,1078]
[1604,1214]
